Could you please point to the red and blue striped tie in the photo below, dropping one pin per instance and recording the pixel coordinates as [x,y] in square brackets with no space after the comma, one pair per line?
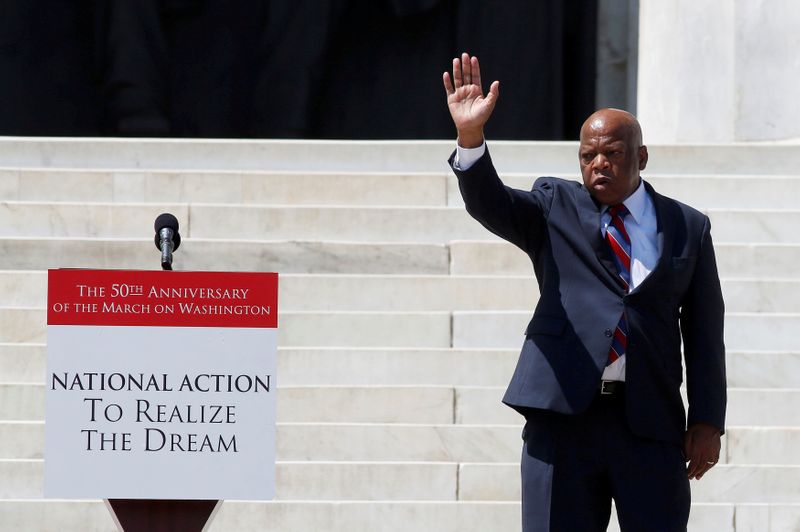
[617,237]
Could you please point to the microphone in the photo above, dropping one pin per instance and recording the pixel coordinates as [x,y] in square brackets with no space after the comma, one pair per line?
[167,238]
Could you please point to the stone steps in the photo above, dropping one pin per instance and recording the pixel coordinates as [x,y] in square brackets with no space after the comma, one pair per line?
[401,318]
[528,157]
[304,480]
[429,442]
[352,329]
[223,186]
[723,484]
[427,293]
[25,363]
[24,253]
[385,516]
[353,188]
[424,404]
[459,329]
[734,260]
[446,481]
[700,191]
[480,329]
[481,258]
[375,224]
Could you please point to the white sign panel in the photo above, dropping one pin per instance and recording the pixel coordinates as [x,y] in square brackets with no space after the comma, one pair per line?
[160,385]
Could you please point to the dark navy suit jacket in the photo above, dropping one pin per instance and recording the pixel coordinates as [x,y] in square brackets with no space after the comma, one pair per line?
[581,300]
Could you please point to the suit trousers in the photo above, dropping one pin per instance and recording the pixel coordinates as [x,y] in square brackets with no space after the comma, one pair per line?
[574,465]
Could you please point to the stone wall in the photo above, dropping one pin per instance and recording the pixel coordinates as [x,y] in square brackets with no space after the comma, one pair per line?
[719,70]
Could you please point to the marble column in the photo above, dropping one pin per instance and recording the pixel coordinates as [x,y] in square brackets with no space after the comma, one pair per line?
[719,70]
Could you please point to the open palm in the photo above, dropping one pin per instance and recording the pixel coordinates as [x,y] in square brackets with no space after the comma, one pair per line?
[469,108]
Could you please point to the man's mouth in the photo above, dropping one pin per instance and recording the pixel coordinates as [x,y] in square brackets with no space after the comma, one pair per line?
[601,180]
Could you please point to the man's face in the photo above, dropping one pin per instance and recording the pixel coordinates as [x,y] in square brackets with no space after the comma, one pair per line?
[610,158]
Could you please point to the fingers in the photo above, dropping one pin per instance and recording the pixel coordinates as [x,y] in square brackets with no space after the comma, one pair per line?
[704,468]
[475,67]
[699,467]
[448,83]
[694,468]
[457,75]
[701,451]
[466,71]
[466,67]
[690,454]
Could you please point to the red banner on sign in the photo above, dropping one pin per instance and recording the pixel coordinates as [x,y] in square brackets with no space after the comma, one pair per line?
[162,298]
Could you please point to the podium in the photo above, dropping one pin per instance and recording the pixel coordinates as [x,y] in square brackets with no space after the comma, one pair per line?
[160,392]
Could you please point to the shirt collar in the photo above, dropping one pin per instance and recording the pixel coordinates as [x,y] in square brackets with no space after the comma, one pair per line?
[635,203]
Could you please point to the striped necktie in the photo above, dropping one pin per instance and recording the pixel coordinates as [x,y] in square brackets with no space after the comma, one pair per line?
[620,243]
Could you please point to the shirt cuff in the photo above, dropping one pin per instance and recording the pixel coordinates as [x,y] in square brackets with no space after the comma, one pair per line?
[466,157]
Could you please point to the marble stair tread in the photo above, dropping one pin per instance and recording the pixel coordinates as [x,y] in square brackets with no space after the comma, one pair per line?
[369,516]
[353,329]
[286,516]
[223,186]
[723,484]
[432,225]
[348,188]
[746,406]
[505,329]
[25,363]
[415,442]
[334,481]
[734,260]
[534,157]
[319,404]
[352,292]
[354,188]
[445,481]
[358,442]
[713,191]
[300,256]
[459,329]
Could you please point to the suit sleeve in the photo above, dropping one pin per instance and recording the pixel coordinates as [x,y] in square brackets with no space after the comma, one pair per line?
[514,215]
[702,318]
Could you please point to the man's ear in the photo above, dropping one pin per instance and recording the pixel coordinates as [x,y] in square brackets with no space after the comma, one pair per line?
[642,157]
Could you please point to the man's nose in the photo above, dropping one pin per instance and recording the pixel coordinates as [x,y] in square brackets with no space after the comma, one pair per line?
[600,162]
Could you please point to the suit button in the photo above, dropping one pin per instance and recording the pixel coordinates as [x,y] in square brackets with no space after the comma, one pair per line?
[608,333]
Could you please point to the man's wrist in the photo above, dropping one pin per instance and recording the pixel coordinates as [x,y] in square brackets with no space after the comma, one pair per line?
[470,138]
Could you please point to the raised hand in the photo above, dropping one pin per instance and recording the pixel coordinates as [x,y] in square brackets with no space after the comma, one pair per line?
[469,108]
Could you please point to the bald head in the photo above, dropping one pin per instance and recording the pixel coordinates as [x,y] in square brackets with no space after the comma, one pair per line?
[617,120]
[611,155]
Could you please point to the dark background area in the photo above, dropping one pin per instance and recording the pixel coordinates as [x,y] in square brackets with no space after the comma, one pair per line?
[337,69]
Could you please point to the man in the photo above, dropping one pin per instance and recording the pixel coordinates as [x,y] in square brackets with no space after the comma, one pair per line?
[624,275]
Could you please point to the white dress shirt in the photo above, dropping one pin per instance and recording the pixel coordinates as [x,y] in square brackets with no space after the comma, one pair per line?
[641,227]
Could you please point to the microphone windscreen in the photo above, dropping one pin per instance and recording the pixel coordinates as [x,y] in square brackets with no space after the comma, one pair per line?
[166,220]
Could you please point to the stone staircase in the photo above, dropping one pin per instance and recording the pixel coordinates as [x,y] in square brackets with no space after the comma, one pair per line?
[400,322]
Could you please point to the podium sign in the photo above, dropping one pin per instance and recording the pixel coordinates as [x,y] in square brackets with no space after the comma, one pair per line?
[160,385]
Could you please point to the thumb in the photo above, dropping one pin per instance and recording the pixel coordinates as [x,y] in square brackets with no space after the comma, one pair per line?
[494,93]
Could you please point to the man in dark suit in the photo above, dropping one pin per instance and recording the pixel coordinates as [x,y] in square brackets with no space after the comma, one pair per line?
[624,276]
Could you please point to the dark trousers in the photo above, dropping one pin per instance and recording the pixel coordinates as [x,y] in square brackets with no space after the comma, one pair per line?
[573,466]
